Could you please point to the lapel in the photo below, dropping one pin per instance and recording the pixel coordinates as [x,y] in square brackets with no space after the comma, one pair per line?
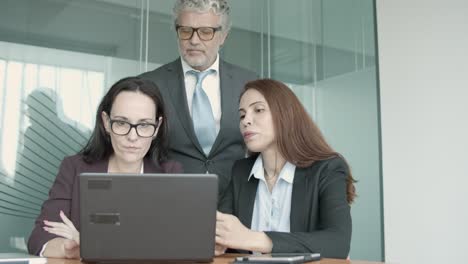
[247,194]
[176,87]
[98,166]
[298,206]
[151,167]
[228,95]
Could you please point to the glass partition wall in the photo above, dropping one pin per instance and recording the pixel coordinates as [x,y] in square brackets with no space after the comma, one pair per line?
[58,57]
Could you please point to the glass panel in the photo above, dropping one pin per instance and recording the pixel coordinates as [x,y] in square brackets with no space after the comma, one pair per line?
[162,45]
[325,51]
[54,68]
[244,46]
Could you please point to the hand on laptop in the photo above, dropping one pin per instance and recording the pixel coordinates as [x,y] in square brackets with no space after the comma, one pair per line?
[219,249]
[71,249]
[67,245]
[231,233]
[64,229]
[60,247]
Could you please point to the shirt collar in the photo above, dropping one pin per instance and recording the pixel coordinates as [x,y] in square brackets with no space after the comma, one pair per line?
[286,173]
[186,67]
[257,169]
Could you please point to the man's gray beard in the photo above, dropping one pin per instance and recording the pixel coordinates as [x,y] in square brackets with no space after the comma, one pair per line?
[195,62]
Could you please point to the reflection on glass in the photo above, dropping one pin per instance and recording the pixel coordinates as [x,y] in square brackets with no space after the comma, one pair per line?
[53,72]
[11,117]
[45,116]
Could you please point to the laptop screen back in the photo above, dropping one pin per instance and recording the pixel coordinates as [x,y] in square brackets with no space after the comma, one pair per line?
[147,216]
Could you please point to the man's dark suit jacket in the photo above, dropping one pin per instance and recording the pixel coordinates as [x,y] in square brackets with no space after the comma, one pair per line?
[64,195]
[183,144]
[320,219]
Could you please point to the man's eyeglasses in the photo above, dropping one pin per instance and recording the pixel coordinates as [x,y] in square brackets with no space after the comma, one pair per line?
[122,128]
[204,33]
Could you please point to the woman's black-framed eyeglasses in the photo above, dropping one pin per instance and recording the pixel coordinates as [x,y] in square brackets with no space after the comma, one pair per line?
[122,128]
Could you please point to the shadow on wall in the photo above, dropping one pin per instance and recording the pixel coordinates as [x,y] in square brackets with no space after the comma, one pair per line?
[46,141]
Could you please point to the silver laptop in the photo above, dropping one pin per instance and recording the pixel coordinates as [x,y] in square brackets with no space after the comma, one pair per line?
[147,217]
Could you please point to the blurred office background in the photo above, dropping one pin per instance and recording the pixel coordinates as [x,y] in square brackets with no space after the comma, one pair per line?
[58,57]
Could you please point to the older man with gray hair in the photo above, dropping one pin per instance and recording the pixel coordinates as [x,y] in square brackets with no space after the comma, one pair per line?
[202,91]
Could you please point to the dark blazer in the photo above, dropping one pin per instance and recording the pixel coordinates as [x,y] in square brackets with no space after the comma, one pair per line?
[320,217]
[183,143]
[64,195]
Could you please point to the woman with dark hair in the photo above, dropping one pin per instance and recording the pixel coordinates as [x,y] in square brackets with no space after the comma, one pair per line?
[293,193]
[129,137]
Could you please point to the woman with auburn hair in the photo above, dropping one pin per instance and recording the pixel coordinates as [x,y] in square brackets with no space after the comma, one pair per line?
[293,193]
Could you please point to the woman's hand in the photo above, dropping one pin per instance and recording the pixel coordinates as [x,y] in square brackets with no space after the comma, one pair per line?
[231,233]
[71,249]
[70,237]
[64,229]
[219,250]
[60,247]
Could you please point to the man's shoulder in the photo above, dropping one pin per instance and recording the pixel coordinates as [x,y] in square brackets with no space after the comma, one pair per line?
[235,69]
[163,70]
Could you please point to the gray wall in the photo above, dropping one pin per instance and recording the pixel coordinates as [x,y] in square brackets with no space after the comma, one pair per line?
[423,60]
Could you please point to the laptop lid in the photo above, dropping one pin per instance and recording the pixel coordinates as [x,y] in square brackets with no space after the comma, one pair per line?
[147,216]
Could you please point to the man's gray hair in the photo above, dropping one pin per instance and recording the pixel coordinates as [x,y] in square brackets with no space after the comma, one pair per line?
[219,7]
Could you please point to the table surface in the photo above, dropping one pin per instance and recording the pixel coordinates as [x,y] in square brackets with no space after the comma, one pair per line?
[229,258]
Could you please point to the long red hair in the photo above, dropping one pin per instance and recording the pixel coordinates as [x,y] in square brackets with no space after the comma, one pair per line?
[298,138]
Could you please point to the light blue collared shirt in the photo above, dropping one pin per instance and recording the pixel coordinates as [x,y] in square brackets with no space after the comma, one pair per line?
[272,210]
